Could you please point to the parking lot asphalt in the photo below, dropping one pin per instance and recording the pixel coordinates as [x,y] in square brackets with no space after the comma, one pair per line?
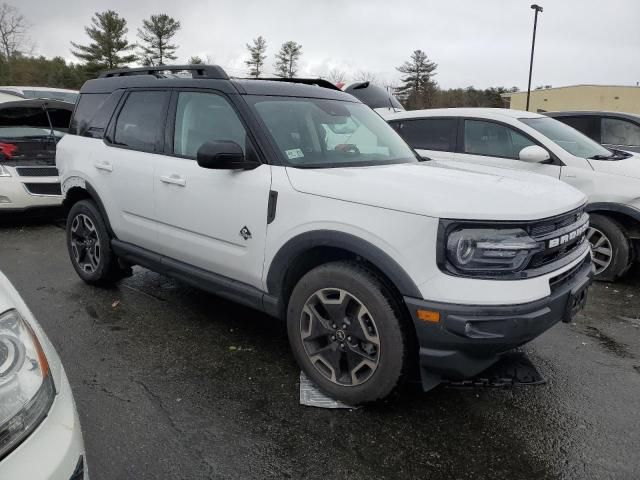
[171,382]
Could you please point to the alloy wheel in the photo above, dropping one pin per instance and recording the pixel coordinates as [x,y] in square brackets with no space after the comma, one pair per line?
[601,250]
[340,337]
[85,243]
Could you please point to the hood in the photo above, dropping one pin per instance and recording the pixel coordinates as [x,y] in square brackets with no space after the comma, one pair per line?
[627,167]
[436,190]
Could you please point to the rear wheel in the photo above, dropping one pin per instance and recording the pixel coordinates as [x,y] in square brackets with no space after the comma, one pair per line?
[89,245]
[610,248]
[346,332]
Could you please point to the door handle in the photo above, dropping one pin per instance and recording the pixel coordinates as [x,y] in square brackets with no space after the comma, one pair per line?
[105,166]
[174,180]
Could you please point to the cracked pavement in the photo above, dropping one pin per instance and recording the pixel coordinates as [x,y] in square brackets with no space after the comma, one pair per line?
[171,382]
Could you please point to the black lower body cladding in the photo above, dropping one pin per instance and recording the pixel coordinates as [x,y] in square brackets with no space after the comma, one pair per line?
[468,339]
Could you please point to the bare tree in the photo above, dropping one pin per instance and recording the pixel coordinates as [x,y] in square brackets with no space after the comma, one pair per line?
[336,76]
[13,31]
[366,76]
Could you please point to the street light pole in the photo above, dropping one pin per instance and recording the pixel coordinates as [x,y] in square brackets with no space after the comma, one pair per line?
[537,8]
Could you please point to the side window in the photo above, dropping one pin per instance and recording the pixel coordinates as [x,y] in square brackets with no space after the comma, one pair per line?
[87,107]
[493,140]
[141,120]
[205,117]
[620,132]
[430,134]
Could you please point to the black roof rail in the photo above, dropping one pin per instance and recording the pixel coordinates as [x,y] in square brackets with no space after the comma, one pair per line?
[197,71]
[320,82]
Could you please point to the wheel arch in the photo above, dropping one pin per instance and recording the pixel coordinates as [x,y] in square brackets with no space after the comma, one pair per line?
[310,249]
[76,191]
[625,215]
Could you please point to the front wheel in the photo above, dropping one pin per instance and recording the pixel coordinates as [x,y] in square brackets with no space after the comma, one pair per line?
[346,332]
[610,248]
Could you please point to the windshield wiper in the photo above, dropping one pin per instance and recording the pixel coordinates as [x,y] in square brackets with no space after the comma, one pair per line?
[602,157]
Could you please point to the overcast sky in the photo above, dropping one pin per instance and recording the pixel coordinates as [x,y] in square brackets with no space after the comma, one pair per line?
[474,42]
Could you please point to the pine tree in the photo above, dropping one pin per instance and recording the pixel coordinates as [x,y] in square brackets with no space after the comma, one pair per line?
[156,33]
[110,48]
[287,59]
[418,87]
[257,56]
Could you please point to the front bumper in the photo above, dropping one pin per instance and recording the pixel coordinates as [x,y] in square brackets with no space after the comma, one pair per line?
[54,449]
[467,339]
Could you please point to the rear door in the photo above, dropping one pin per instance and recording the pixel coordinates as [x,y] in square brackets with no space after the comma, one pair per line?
[620,133]
[432,138]
[123,165]
[496,144]
[213,219]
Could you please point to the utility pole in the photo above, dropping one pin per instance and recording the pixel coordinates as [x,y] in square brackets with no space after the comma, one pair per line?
[538,9]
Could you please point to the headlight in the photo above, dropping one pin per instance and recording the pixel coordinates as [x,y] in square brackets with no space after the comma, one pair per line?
[488,250]
[26,386]
[4,172]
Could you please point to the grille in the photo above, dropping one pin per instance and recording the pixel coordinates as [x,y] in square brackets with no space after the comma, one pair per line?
[43,188]
[548,226]
[544,258]
[37,171]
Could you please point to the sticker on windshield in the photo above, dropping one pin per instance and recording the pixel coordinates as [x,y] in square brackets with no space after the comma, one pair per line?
[294,153]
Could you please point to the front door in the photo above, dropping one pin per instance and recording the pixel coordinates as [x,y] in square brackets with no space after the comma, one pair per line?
[489,143]
[212,219]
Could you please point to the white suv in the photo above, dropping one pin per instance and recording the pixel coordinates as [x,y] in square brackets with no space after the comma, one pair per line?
[296,199]
[492,137]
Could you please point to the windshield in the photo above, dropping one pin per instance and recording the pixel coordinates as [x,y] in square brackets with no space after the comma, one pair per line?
[568,138]
[316,133]
[27,132]
[70,97]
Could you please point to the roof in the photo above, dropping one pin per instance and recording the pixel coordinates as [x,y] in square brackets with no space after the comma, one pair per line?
[571,113]
[37,103]
[489,113]
[211,76]
[580,85]
[49,89]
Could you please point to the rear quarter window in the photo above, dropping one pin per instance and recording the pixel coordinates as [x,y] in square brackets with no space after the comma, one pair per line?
[93,112]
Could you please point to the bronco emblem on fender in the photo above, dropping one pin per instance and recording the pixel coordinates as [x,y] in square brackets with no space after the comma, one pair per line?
[245,233]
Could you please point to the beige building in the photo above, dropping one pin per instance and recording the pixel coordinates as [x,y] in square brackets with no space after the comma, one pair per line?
[610,98]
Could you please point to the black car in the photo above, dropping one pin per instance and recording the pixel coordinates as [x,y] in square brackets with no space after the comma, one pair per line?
[612,129]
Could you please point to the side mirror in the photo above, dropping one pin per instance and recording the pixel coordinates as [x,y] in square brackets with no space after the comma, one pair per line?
[534,154]
[223,155]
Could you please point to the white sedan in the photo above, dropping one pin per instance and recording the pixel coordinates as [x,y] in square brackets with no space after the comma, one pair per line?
[40,436]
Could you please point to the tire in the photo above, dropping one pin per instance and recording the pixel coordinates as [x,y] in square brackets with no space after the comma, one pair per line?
[346,333]
[610,248]
[89,245]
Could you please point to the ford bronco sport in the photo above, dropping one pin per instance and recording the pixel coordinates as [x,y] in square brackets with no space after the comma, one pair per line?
[296,199]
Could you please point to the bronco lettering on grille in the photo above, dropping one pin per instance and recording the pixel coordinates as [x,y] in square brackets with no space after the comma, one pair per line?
[568,237]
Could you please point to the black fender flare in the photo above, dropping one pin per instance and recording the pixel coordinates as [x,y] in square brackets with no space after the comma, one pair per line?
[87,187]
[344,241]
[614,207]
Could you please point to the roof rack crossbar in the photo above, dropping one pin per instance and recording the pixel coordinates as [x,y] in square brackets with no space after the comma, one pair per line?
[197,71]
[320,82]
